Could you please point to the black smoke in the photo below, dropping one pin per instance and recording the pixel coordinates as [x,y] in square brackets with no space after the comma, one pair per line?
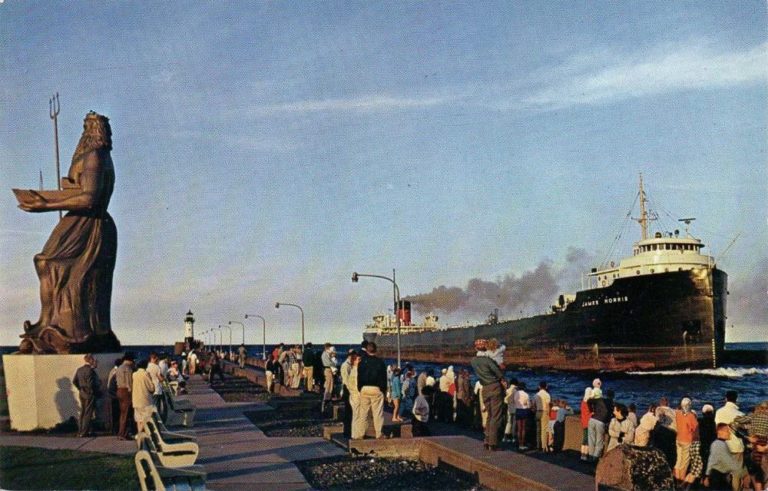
[532,291]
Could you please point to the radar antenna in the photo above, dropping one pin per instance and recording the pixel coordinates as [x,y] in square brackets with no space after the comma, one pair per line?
[687,222]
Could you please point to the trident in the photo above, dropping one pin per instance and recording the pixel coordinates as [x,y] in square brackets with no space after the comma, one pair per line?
[54,107]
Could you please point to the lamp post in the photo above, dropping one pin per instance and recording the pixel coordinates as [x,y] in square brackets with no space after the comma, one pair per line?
[277,306]
[241,325]
[230,336]
[356,276]
[221,339]
[204,336]
[263,335]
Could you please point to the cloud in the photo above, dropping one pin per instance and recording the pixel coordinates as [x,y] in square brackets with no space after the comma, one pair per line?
[605,78]
[366,103]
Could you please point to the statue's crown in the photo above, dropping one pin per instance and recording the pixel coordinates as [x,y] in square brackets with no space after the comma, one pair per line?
[93,115]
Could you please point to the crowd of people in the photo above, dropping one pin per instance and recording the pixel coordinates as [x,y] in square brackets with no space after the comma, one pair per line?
[715,449]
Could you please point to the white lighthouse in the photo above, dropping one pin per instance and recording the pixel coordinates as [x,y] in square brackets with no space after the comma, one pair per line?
[189,330]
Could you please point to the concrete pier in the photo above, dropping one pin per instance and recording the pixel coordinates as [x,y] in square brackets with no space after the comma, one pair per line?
[237,455]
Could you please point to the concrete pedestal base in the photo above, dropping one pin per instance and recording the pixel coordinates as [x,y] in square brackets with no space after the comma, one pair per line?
[40,390]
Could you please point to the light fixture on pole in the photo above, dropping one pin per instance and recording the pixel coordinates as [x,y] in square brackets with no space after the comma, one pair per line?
[241,325]
[263,334]
[356,276]
[230,337]
[277,306]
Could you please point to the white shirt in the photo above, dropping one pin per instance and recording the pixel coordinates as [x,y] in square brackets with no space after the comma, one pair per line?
[521,400]
[445,383]
[153,369]
[727,414]
[542,400]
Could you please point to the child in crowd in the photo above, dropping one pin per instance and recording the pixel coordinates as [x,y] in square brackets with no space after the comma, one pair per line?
[562,410]
[421,413]
[495,351]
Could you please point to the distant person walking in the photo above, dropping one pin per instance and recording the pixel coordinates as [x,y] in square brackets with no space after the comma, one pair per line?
[89,389]
[372,382]
[242,354]
[192,362]
[492,380]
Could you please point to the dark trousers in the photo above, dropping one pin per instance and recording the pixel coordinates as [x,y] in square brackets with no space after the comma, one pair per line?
[493,397]
[114,419]
[124,396]
[419,428]
[559,436]
[87,406]
[347,413]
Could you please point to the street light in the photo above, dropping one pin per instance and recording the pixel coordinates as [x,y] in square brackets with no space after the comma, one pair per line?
[230,336]
[277,306]
[263,334]
[241,325]
[396,292]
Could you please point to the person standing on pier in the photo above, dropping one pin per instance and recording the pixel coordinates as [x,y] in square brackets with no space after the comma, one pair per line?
[542,401]
[308,359]
[372,382]
[124,377]
[492,379]
[329,366]
[89,388]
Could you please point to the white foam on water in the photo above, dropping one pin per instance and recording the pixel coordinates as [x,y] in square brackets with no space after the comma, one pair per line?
[724,372]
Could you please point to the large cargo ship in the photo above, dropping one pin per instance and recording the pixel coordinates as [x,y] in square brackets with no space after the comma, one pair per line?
[662,307]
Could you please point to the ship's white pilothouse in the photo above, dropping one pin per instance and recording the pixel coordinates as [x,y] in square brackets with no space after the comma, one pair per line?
[659,254]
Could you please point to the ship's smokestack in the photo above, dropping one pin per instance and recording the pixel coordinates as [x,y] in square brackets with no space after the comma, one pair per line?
[403,312]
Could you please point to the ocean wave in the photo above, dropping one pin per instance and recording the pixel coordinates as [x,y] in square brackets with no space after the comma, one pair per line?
[724,372]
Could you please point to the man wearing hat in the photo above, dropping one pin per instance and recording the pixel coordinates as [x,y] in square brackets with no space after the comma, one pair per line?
[491,378]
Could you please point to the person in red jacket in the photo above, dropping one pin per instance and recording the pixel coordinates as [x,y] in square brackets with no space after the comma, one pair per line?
[585,415]
[687,432]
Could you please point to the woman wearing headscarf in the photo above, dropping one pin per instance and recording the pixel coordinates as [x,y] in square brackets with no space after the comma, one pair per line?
[687,432]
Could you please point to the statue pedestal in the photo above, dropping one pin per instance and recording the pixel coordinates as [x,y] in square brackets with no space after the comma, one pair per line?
[40,391]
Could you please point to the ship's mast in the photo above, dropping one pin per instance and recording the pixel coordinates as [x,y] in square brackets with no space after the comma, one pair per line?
[643,220]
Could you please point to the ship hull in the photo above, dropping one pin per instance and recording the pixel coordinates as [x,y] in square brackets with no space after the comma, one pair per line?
[648,322]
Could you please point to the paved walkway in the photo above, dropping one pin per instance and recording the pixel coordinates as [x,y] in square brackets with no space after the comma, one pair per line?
[237,455]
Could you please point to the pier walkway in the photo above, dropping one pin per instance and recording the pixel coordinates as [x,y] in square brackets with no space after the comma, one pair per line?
[237,455]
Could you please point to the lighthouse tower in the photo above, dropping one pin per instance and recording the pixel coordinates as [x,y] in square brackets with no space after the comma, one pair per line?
[189,330]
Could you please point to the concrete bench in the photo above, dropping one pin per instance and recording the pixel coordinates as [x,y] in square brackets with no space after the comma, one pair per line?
[179,411]
[154,478]
[178,454]
[170,436]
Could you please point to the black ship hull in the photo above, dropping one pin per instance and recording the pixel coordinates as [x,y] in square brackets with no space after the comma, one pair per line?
[648,322]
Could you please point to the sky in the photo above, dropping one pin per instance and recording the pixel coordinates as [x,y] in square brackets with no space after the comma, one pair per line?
[266,150]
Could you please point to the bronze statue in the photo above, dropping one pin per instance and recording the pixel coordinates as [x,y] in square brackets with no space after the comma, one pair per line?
[77,262]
